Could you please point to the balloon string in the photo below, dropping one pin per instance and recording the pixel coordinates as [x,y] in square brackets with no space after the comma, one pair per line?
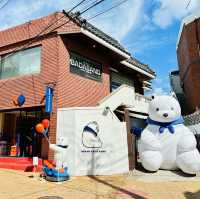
[46,138]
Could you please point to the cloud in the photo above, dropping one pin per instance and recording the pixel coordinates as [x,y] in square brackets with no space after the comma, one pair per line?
[144,43]
[168,11]
[121,20]
[160,86]
[159,91]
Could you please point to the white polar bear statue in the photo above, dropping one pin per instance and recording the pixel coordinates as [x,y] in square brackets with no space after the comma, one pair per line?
[60,150]
[166,143]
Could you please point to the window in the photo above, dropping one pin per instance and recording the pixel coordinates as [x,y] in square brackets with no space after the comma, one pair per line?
[21,63]
[114,86]
[117,79]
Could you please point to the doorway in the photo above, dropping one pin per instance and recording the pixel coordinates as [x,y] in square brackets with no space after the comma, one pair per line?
[17,133]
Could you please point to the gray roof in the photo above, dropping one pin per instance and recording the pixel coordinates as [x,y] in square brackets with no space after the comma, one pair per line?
[89,27]
[192,119]
[140,65]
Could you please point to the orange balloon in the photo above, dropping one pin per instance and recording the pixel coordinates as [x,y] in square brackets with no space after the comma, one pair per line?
[15,102]
[39,128]
[45,123]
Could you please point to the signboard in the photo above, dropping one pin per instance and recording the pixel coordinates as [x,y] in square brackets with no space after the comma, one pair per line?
[49,98]
[85,67]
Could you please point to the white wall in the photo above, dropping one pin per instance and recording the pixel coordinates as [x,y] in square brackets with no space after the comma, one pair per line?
[110,158]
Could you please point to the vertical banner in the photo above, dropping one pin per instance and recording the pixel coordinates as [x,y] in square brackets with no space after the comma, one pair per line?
[49,98]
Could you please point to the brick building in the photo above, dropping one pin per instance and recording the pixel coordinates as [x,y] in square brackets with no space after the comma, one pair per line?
[188,53]
[81,63]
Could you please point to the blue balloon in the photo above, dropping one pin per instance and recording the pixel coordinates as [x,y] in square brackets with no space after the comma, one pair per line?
[21,100]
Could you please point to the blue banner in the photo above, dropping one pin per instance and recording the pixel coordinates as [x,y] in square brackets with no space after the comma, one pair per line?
[49,98]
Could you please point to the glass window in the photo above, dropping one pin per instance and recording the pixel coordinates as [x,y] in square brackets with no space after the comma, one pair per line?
[117,79]
[114,86]
[21,63]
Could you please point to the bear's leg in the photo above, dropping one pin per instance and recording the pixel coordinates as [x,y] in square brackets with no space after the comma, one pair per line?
[58,160]
[151,160]
[59,164]
[188,157]
[189,162]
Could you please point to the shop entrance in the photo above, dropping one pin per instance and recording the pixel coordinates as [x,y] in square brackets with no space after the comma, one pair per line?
[17,134]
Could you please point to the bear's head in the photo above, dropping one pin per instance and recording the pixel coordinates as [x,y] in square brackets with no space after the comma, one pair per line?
[62,141]
[164,109]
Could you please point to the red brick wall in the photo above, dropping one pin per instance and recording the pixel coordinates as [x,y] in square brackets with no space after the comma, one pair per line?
[189,64]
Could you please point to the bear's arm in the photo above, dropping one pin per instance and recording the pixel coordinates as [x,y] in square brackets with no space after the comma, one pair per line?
[149,141]
[55,148]
[187,141]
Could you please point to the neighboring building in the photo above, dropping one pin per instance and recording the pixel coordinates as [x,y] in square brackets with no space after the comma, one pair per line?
[82,64]
[177,89]
[188,53]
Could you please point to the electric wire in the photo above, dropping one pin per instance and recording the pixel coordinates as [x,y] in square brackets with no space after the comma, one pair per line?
[77,14]
[90,7]
[4,5]
[107,10]
[188,4]
[89,3]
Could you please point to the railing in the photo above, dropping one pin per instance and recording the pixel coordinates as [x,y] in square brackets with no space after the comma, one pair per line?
[139,97]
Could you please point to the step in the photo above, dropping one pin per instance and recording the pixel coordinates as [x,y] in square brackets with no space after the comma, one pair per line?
[23,167]
[20,160]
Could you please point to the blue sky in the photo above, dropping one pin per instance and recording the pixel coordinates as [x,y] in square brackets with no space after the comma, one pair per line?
[147,28]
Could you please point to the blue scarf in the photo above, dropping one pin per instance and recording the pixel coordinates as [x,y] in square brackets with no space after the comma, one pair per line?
[164,125]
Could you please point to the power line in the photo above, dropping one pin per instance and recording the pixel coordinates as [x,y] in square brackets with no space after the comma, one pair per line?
[77,14]
[5,4]
[188,4]
[52,23]
[107,10]
[95,4]
[88,4]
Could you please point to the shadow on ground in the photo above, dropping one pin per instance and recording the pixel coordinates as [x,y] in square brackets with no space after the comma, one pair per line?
[182,174]
[190,195]
[50,197]
[178,172]
[122,190]
[139,167]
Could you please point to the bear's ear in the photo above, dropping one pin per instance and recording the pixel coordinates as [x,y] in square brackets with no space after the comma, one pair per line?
[173,94]
[152,97]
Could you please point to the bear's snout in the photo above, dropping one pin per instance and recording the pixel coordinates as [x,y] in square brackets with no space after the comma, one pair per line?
[165,114]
